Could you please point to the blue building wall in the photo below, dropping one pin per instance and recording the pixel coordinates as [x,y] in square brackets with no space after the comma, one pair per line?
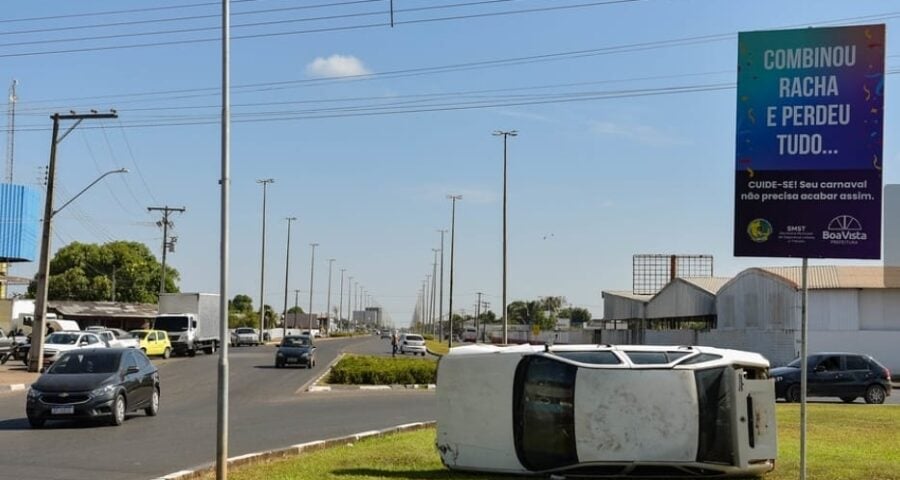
[20,212]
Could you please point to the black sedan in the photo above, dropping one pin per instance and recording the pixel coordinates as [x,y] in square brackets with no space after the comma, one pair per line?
[103,383]
[296,350]
[847,376]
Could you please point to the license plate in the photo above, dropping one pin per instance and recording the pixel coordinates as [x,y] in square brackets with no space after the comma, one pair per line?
[292,360]
[62,410]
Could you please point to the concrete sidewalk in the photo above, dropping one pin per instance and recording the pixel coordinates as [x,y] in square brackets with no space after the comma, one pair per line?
[15,376]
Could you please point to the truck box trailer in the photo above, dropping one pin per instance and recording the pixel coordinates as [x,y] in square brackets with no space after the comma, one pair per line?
[191,320]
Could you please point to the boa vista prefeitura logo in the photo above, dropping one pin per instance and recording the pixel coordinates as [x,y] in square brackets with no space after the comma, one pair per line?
[759,230]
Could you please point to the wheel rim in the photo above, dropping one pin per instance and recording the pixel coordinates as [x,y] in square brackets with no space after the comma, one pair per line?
[120,410]
[876,395]
[154,402]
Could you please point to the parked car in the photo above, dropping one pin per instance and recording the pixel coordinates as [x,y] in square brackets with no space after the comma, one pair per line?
[101,383]
[58,343]
[244,336]
[386,334]
[847,376]
[296,350]
[412,343]
[117,340]
[153,342]
[601,410]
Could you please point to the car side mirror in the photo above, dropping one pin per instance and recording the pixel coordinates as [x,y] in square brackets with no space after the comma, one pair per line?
[132,369]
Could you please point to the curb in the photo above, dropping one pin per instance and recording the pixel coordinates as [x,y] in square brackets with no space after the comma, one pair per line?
[12,387]
[295,450]
[343,388]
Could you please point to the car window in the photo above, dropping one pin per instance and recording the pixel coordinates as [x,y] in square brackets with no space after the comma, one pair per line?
[856,362]
[596,358]
[91,339]
[96,362]
[163,335]
[653,358]
[829,364]
[295,342]
[544,413]
[415,338]
[130,360]
[702,358]
[716,440]
[62,338]
[142,361]
[140,335]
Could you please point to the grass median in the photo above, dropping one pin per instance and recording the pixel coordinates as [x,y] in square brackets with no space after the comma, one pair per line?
[372,370]
[845,442]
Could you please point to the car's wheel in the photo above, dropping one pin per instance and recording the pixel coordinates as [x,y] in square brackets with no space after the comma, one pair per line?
[278,364]
[153,409]
[793,393]
[192,353]
[211,349]
[848,399]
[118,411]
[167,352]
[144,350]
[36,422]
[875,394]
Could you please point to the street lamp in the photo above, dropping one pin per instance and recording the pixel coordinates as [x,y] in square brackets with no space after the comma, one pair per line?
[42,278]
[287,262]
[341,300]
[441,295]
[312,271]
[505,135]
[328,304]
[453,199]
[262,264]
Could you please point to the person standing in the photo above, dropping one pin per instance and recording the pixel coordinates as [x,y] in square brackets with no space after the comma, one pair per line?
[394,344]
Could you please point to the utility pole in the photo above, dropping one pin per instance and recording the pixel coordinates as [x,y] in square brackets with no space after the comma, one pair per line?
[477,315]
[328,304]
[166,245]
[441,296]
[505,135]
[433,286]
[453,199]
[312,272]
[287,263]
[350,304]
[262,264]
[341,300]
[43,273]
[225,185]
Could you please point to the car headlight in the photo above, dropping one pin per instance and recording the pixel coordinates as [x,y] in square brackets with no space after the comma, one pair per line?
[33,394]
[103,391]
[279,354]
[304,355]
[778,378]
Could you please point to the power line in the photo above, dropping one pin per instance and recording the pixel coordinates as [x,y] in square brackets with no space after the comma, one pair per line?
[118,12]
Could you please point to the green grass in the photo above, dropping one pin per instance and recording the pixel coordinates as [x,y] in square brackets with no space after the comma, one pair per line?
[437,347]
[845,442]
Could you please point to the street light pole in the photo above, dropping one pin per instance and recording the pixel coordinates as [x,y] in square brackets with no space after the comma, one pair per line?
[328,303]
[505,135]
[312,272]
[433,287]
[262,264]
[350,304]
[441,296]
[225,186]
[453,199]
[287,263]
[42,278]
[341,300]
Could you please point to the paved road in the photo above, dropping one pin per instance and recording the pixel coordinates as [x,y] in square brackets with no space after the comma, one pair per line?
[266,412]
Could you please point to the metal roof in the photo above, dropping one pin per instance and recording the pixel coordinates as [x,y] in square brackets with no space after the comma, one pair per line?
[820,277]
[69,308]
[710,284]
[628,294]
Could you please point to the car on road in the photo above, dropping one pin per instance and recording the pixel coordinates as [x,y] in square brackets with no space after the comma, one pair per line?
[153,342]
[605,410]
[116,339]
[412,343]
[96,383]
[847,376]
[58,343]
[296,350]
[386,334]
[244,336]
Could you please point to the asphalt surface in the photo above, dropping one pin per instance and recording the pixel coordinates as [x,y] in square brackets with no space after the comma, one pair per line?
[267,410]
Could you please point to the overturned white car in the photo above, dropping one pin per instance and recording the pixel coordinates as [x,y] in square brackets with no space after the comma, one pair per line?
[601,410]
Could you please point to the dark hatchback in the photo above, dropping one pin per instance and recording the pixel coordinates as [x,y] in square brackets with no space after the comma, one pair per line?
[296,350]
[847,376]
[102,383]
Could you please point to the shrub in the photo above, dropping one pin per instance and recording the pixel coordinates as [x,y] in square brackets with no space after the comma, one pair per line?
[370,370]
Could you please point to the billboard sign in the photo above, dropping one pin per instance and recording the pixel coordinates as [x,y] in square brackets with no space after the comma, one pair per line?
[809,143]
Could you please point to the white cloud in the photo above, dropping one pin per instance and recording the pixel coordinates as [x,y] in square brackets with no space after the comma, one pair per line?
[641,133]
[336,66]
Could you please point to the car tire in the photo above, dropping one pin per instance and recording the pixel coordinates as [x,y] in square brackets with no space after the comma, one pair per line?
[118,411]
[192,353]
[211,349]
[152,410]
[36,422]
[875,394]
[278,365]
[848,399]
[792,394]
[167,353]
[144,350]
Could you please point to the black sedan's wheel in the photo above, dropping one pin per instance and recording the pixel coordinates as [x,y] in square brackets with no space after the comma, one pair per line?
[793,393]
[875,394]
[36,422]
[278,364]
[848,399]
[118,411]
[152,410]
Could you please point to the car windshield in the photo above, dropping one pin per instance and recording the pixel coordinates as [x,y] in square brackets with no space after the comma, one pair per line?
[245,330]
[171,324]
[140,334]
[63,338]
[79,362]
[295,342]
[414,338]
[795,363]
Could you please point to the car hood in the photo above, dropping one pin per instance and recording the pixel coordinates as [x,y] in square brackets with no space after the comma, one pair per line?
[783,371]
[71,382]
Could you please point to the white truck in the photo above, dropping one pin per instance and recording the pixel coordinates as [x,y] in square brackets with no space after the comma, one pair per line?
[191,320]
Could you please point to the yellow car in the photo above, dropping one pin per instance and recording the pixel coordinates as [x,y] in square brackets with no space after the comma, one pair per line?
[154,342]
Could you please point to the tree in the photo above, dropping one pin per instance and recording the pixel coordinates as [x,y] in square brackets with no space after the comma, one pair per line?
[295,310]
[576,314]
[487,317]
[122,271]
[241,304]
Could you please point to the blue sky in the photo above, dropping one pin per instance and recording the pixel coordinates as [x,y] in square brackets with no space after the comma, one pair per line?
[592,181]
